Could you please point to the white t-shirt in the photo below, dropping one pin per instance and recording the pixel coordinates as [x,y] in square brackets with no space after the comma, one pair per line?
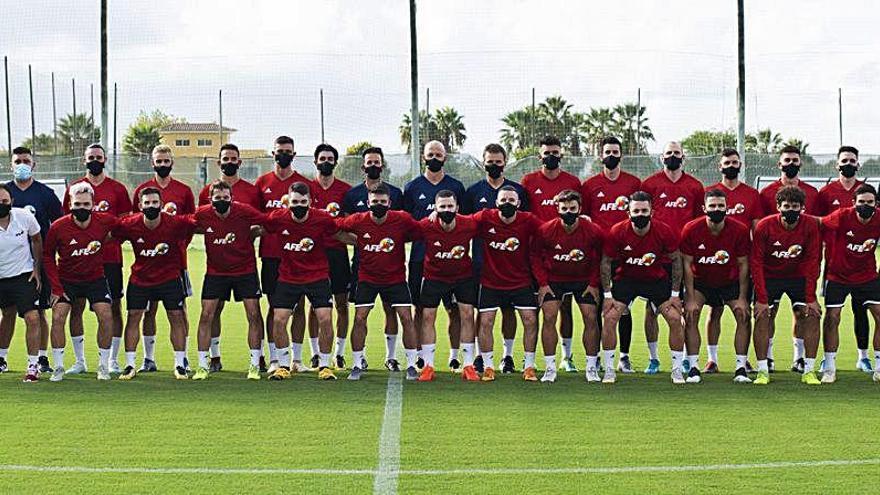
[15,243]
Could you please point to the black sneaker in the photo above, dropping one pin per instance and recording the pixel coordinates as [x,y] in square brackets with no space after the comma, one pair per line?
[693,375]
[340,362]
[420,363]
[454,365]
[749,368]
[507,366]
[479,367]
[263,367]
[392,365]
[186,364]
[3,365]
[412,374]
[149,366]
[315,362]
[364,366]
[43,364]
[741,375]
[215,365]
[798,366]
[770,366]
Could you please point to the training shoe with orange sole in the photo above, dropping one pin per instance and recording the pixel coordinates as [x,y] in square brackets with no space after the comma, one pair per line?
[427,374]
[488,375]
[529,375]
[469,374]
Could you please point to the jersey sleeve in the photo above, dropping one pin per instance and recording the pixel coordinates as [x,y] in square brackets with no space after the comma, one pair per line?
[687,244]
[123,200]
[65,201]
[33,226]
[756,263]
[524,202]
[596,247]
[347,224]
[203,196]
[610,246]
[413,229]
[135,201]
[670,240]
[832,221]
[50,264]
[397,202]
[813,259]
[53,210]
[742,245]
[536,253]
[189,201]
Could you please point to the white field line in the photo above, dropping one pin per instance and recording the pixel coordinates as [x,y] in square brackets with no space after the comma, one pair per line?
[385,481]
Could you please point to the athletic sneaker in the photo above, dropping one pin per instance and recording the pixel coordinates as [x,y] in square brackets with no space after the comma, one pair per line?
[114,367]
[412,374]
[711,367]
[798,366]
[3,365]
[186,364]
[771,366]
[677,376]
[263,367]
[653,367]
[253,372]
[273,367]
[592,375]
[340,362]
[810,378]
[128,373]
[478,364]
[693,375]
[469,374]
[427,374]
[57,374]
[201,374]
[686,366]
[103,373]
[180,373]
[864,364]
[876,376]
[529,374]
[298,367]
[420,363]
[568,366]
[149,366]
[391,365]
[43,363]
[32,374]
[454,365]
[326,373]
[315,362]
[280,373]
[215,365]
[507,366]
[750,369]
[763,378]
[549,375]
[741,376]
[624,365]
[830,376]
[364,365]
[77,368]
[610,375]
[355,374]
[488,375]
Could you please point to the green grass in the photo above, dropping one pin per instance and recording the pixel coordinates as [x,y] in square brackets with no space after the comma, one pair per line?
[228,422]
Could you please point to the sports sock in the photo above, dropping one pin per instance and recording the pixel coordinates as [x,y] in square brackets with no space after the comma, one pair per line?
[677,358]
[762,365]
[273,352]
[150,347]
[798,348]
[428,353]
[115,344]
[770,349]
[741,361]
[203,359]
[412,355]
[390,346]
[130,358]
[453,354]
[530,360]
[283,356]
[477,350]
[713,353]
[297,349]
[508,347]
[609,360]
[215,347]
[104,357]
[313,343]
[5,352]
[652,351]
[179,358]
[876,359]
[58,357]
[566,348]
[255,356]
[550,362]
[488,359]
[809,364]
[32,360]
[694,361]
[592,362]
[41,353]
[324,359]
[357,359]
[863,354]
[467,354]
[831,361]
[340,346]
[79,348]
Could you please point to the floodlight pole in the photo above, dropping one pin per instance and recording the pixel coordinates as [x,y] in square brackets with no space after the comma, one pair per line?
[741,76]
[414,91]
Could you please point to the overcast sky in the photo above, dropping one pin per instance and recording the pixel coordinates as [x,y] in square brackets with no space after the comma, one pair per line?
[271,58]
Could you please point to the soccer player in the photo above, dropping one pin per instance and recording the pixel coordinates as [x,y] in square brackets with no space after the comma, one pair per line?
[155,275]
[111,197]
[510,268]
[357,200]
[642,246]
[231,270]
[21,251]
[834,196]
[77,273]
[605,199]
[381,237]
[448,273]
[851,235]
[177,199]
[418,201]
[40,200]
[479,196]
[785,259]
[328,194]
[570,247]
[542,186]
[715,251]
[743,204]
[678,199]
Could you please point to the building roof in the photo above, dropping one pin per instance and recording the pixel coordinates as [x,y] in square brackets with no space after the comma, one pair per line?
[195,127]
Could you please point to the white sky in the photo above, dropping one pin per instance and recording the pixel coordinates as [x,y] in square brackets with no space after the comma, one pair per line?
[272,57]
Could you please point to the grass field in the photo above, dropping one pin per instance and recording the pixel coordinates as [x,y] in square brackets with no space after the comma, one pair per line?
[642,435]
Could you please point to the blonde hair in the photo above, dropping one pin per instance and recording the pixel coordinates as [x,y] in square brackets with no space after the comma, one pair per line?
[82,188]
[163,148]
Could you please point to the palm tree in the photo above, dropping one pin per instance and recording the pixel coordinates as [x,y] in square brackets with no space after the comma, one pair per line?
[450,128]
[75,132]
[597,124]
[767,141]
[521,129]
[427,129]
[798,143]
[632,127]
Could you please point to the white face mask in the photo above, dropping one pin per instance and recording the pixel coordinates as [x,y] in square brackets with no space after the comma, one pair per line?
[22,172]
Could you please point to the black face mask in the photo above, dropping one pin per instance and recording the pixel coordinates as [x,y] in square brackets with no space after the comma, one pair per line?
[378,210]
[81,214]
[569,218]
[434,164]
[551,162]
[672,163]
[716,216]
[494,171]
[640,221]
[507,209]
[373,173]
[865,211]
[283,159]
[299,211]
[152,212]
[221,206]
[229,169]
[95,167]
[163,171]
[730,173]
[791,216]
[446,216]
[848,171]
[791,171]
[611,162]
[4,210]
[326,168]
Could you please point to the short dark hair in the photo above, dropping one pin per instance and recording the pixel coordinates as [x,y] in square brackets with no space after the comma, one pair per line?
[219,184]
[550,141]
[729,152]
[150,190]
[715,193]
[568,195]
[445,193]
[284,140]
[96,146]
[371,150]
[865,188]
[509,188]
[229,146]
[380,189]
[4,187]
[21,150]
[790,148]
[842,149]
[495,148]
[609,140]
[640,196]
[326,147]
[300,188]
[791,194]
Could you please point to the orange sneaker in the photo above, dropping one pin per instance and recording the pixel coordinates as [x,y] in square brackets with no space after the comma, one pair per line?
[469,374]
[529,375]
[488,375]
[427,374]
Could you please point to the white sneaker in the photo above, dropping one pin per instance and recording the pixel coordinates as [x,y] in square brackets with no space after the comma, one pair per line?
[593,375]
[830,376]
[610,376]
[549,375]
[273,366]
[677,376]
[57,374]
[299,367]
[78,368]
[114,367]
[103,373]
[876,376]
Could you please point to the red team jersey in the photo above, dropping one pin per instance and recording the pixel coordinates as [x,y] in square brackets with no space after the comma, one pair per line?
[781,253]
[381,247]
[155,259]
[177,199]
[110,197]
[242,192]
[273,196]
[228,242]
[715,256]
[833,197]
[570,257]
[79,250]
[641,257]
[330,200]
[674,203]
[447,254]
[542,190]
[743,203]
[607,201]
[768,196]
[510,260]
[852,244]
[302,245]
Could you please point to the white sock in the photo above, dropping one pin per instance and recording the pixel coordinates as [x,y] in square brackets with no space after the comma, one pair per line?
[150,347]
[283,356]
[508,347]
[390,346]
[694,360]
[255,356]
[863,354]
[324,359]
[5,352]
[130,358]
[566,348]
[104,357]
[530,360]
[428,354]
[467,354]
[412,355]
[453,354]
[79,348]
[677,358]
[876,359]
[357,358]
[340,346]
[179,357]
[550,362]
[762,365]
[713,353]
[592,362]
[741,361]
[297,350]
[488,359]
[608,356]
[58,357]
[115,344]
[215,347]
[32,360]
[273,352]
[798,348]
[313,342]
[770,349]
[809,364]
[203,359]
[652,351]
[831,361]
[41,353]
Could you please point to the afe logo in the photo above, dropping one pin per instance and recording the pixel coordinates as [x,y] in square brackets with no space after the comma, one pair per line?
[161,249]
[680,202]
[720,258]
[91,249]
[304,245]
[619,204]
[278,203]
[456,253]
[510,244]
[102,206]
[333,209]
[793,251]
[738,209]
[386,245]
[575,256]
[227,239]
[864,247]
[647,259]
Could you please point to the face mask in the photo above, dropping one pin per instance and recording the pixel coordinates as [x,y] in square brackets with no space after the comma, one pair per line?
[569,218]
[283,159]
[299,211]
[373,173]
[791,216]
[611,162]
[507,209]
[151,213]
[716,216]
[4,210]
[791,171]
[22,172]
[865,211]
[446,216]
[494,171]
[730,173]
[81,214]
[95,167]
[640,221]
[551,162]
[162,171]
[221,206]
[848,171]
[229,169]
[326,168]
[672,163]
[378,210]
[434,164]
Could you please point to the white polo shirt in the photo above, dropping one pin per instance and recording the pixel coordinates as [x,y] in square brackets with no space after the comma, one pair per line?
[15,243]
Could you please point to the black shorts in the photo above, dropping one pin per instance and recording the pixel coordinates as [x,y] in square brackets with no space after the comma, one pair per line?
[433,291]
[340,270]
[269,275]
[185,283]
[393,295]
[576,289]
[862,294]
[717,297]
[520,298]
[170,293]
[287,296]
[113,274]
[20,292]
[415,280]
[795,288]
[222,286]
[94,291]
[352,286]
[656,292]
[45,291]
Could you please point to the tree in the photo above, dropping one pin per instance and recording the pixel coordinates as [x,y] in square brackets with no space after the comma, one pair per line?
[765,141]
[450,128]
[597,124]
[358,148]
[798,143]
[75,132]
[704,143]
[43,145]
[632,129]
[521,129]
[143,135]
